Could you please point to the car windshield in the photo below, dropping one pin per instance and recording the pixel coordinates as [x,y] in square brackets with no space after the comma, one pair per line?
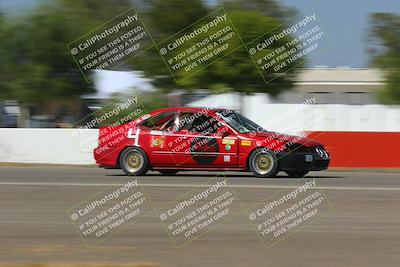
[239,122]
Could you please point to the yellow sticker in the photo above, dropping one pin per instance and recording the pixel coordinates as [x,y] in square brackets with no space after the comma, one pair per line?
[157,141]
[245,143]
[226,141]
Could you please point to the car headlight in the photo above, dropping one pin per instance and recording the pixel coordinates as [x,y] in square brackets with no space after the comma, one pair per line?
[321,152]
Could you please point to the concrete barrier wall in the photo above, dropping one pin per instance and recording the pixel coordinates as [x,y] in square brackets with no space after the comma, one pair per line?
[54,146]
[295,118]
[361,149]
[58,146]
[357,136]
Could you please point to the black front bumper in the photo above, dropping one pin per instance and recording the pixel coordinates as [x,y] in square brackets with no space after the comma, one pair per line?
[303,160]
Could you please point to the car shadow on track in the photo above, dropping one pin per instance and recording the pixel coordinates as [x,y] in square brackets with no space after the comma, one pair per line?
[229,175]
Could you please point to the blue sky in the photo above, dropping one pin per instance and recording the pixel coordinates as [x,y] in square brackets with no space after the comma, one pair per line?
[346,21]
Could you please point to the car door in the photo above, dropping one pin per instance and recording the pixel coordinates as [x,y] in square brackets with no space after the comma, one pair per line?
[200,140]
[154,134]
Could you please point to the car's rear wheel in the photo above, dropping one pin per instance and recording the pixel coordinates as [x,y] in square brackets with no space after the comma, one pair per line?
[263,163]
[168,172]
[134,161]
[296,174]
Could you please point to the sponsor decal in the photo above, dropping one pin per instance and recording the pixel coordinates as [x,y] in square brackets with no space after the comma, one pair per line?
[227,141]
[158,141]
[245,143]
[228,147]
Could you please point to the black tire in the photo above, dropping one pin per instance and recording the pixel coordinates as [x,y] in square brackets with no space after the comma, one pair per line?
[168,172]
[263,163]
[296,174]
[134,161]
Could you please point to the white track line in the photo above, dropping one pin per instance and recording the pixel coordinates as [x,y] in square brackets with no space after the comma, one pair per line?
[205,185]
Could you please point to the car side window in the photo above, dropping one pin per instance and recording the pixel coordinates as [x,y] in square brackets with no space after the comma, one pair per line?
[185,121]
[159,121]
[204,125]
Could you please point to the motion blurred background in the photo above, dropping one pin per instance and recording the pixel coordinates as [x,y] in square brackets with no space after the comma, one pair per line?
[356,80]
[45,99]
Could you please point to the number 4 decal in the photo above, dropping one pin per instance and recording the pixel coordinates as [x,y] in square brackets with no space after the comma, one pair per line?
[134,136]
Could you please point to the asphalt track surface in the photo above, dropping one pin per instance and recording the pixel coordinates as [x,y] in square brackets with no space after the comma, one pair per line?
[361,229]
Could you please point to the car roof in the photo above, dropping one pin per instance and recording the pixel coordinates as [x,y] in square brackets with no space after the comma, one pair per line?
[170,109]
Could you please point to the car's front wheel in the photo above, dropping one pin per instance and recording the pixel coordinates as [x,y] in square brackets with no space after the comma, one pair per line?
[263,163]
[134,161]
[296,174]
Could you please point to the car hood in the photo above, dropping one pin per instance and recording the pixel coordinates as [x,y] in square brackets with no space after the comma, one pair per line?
[283,138]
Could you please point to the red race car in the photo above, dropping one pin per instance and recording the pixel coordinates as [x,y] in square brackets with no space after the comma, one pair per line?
[179,139]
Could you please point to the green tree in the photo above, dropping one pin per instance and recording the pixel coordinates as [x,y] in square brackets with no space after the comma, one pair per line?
[385,37]
[235,71]
[37,64]
[3,93]
[269,8]
[164,19]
